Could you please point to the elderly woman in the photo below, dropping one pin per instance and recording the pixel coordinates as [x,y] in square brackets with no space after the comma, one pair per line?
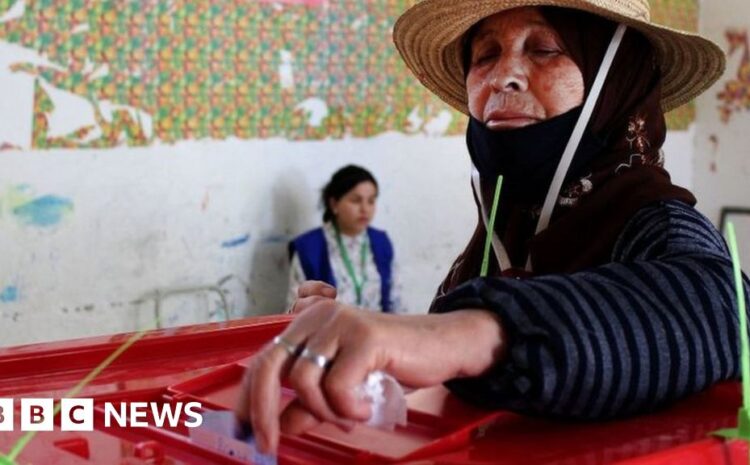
[608,294]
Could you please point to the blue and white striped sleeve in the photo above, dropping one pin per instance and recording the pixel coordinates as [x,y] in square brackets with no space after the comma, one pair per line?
[656,324]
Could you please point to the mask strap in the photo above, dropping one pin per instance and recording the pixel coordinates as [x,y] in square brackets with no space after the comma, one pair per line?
[577,135]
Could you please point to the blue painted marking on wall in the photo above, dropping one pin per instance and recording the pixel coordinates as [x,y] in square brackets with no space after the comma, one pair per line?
[276,239]
[232,243]
[44,211]
[9,294]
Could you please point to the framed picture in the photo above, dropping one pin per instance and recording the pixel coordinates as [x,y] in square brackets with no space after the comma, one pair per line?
[740,217]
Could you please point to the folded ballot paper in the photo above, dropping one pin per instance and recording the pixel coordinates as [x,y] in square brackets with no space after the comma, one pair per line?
[387,398]
[222,432]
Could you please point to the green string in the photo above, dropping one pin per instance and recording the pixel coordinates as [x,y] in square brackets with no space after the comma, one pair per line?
[491,228]
[744,345]
[743,416]
[21,444]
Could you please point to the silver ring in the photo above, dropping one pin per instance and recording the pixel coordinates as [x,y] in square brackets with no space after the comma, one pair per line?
[320,360]
[290,348]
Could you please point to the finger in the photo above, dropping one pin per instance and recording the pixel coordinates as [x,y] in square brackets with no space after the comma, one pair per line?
[271,365]
[340,384]
[242,409]
[296,419]
[306,375]
[265,393]
[263,381]
[316,288]
[304,303]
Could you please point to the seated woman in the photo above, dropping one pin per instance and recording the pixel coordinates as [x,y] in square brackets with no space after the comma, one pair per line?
[354,258]
[625,299]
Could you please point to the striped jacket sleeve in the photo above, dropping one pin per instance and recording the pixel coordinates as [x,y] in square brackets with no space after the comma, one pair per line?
[656,324]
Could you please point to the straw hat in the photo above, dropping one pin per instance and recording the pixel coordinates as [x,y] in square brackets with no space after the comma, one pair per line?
[429,38]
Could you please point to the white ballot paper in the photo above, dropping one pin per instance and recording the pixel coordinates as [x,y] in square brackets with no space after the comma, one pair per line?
[222,432]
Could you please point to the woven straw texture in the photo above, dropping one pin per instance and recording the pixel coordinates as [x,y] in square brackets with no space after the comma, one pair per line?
[429,35]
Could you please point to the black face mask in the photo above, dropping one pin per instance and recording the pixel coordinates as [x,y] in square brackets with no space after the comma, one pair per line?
[528,157]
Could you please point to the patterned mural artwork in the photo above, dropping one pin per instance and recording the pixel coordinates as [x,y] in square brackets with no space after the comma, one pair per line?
[172,70]
[735,97]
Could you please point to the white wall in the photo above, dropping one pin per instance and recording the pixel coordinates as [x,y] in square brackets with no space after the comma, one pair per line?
[177,216]
[722,162]
[166,217]
[679,154]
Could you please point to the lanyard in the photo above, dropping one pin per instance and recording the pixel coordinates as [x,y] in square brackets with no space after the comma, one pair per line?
[575,138]
[358,284]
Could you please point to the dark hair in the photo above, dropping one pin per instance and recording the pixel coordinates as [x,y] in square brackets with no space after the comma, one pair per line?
[466,43]
[343,181]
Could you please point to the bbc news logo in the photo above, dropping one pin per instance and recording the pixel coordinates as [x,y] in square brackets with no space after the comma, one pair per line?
[78,414]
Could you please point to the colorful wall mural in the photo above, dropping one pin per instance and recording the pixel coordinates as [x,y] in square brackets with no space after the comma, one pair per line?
[735,96]
[158,70]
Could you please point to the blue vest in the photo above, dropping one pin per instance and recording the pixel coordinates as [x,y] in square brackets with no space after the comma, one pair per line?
[312,250]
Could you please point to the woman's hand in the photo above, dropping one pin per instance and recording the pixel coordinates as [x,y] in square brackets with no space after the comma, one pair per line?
[419,351]
[310,292]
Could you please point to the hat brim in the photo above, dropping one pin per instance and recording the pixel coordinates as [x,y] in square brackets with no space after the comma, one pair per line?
[429,38]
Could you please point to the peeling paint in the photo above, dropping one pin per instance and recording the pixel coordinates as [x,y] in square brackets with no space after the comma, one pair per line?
[14,12]
[735,96]
[316,109]
[286,69]
[438,126]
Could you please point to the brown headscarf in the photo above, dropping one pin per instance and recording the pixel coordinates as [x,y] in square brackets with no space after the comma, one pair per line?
[624,177]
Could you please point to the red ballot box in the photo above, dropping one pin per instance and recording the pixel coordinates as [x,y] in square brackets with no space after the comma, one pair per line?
[171,369]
